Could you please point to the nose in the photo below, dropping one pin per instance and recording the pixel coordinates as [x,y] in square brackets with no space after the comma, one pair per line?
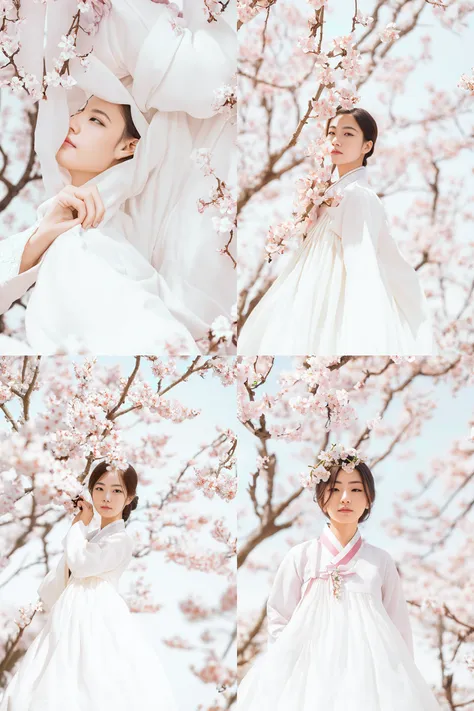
[74,123]
[335,140]
[345,498]
[107,497]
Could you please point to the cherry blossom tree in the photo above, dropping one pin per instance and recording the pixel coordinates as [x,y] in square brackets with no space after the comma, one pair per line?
[59,418]
[301,60]
[290,410]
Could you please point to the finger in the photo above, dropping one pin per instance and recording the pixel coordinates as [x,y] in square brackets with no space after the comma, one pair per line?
[74,203]
[90,207]
[100,209]
[63,227]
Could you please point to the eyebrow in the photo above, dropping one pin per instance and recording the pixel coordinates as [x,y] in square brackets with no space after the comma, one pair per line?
[352,128]
[351,482]
[98,111]
[100,483]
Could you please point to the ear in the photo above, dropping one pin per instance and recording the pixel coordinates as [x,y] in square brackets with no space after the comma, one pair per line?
[127,148]
[368,146]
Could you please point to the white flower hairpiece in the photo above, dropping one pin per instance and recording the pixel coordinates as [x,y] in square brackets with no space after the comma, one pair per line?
[338,455]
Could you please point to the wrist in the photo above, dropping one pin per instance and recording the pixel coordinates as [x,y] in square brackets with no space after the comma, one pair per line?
[44,234]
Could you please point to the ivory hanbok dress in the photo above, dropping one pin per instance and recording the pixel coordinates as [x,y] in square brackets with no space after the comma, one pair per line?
[346,290]
[149,278]
[339,635]
[90,655]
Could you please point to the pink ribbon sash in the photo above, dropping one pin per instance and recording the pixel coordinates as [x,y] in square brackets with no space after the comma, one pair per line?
[337,570]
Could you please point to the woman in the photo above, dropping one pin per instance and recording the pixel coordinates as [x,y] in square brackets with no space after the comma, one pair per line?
[115,303]
[347,289]
[339,632]
[90,655]
[130,275]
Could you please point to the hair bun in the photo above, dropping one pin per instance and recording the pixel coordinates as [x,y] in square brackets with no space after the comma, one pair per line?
[134,503]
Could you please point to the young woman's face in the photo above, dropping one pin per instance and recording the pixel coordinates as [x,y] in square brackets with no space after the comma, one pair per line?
[347,140]
[95,141]
[109,496]
[347,499]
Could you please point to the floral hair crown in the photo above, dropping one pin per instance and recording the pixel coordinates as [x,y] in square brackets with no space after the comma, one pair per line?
[345,457]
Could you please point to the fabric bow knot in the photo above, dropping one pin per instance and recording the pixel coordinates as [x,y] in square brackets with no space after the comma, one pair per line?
[335,573]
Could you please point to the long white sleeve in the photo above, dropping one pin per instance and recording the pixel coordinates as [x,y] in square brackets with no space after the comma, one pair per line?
[284,595]
[53,584]
[394,602]
[379,280]
[367,303]
[86,559]
[12,284]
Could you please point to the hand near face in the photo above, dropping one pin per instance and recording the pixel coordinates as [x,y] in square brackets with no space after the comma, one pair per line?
[74,206]
[86,513]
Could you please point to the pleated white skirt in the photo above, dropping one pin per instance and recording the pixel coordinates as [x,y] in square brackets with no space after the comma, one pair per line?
[337,655]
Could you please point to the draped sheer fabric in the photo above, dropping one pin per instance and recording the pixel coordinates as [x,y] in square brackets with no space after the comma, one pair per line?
[169,79]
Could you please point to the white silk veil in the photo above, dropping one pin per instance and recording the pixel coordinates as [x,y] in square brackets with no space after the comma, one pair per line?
[169,79]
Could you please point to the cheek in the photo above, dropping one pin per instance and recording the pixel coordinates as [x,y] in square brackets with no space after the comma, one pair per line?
[96,151]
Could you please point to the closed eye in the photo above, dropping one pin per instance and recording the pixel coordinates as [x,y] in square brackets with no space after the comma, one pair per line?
[98,121]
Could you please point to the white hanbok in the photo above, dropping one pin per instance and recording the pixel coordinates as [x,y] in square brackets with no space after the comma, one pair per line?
[149,278]
[91,655]
[346,290]
[339,635]
[92,289]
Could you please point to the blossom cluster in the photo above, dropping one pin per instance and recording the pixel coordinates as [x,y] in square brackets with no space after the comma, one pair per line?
[221,200]
[338,455]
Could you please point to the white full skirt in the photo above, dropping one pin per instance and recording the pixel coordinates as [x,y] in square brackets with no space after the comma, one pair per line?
[336,655]
[98,293]
[90,656]
[316,307]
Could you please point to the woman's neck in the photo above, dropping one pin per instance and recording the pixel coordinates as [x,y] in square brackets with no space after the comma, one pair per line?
[106,521]
[80,178]
[344,532]
[347,167]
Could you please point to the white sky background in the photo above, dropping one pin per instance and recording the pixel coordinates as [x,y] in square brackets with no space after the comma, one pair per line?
[170,582]
[450,421]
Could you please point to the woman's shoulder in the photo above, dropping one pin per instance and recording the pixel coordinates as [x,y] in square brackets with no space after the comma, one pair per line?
[377,554]
[361,191]
[301,551]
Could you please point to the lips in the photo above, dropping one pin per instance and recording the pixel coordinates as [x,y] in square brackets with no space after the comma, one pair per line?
[338,153]
[106,507]
[69,142]
[345,510]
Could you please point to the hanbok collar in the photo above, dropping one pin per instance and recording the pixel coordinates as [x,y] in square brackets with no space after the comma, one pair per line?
[359,174]
[338,569]
[341,555]
[99,533]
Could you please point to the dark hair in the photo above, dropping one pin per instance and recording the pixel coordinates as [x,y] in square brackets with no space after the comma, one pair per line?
[367,482]
[128,477]
[130,130]
[366,123]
